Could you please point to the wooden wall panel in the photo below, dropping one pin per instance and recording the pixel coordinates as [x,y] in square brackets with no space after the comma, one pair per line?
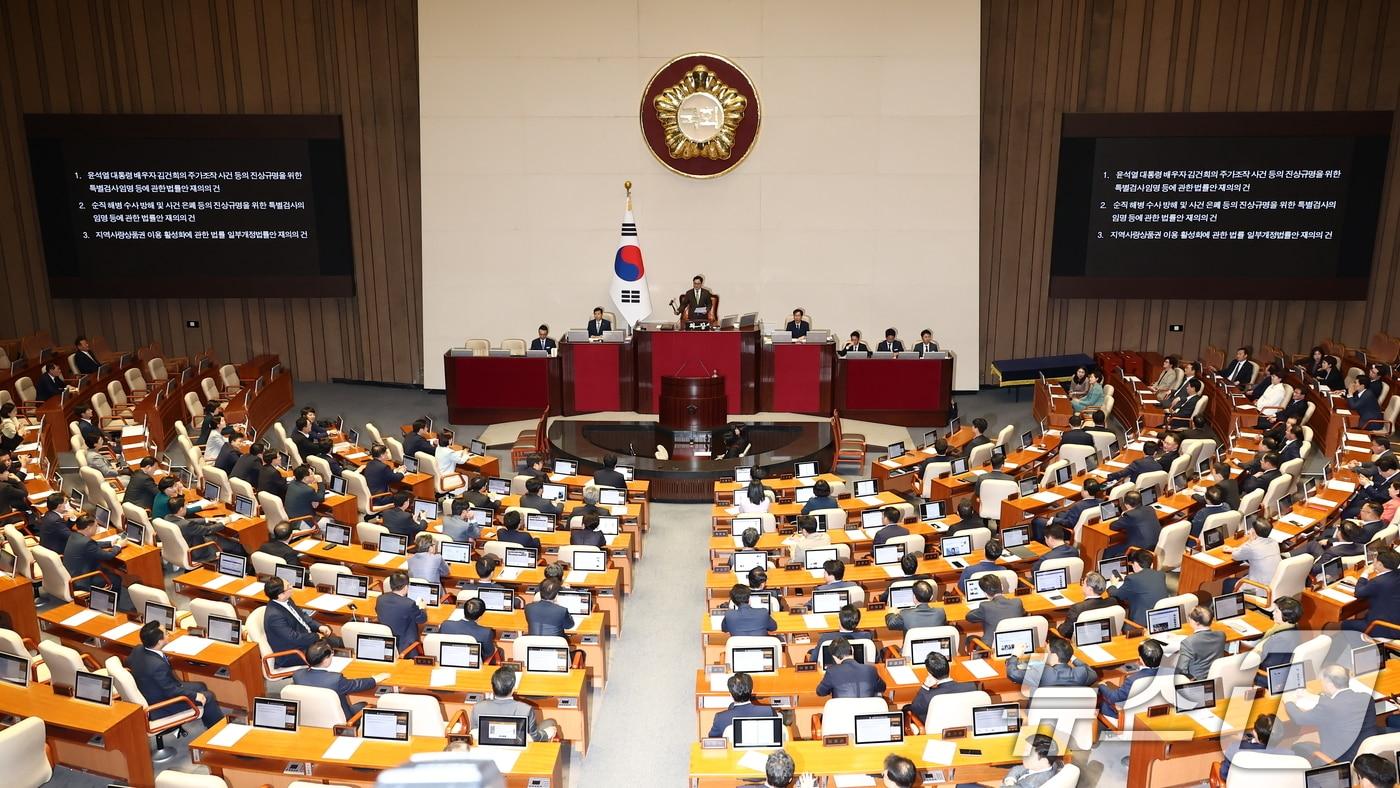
[1043,58]
[348,57]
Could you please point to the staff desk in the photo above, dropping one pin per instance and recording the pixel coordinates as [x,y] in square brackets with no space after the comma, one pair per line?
[893,466]
[1050,405]
[108,740]
[632,514]
[17,607]
[261,756]
[562,696]
[907,390]
[420,484]
[232,672]
[723,515]
[992,756]
[619,549]
[797,690]
[783,488]
[1175,735]
[1124,649]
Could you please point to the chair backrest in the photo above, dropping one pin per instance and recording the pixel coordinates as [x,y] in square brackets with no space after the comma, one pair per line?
[519,648]
[752,641]
[432,643]
[1250,501]
[228,376]
[1047,479]
[134,381]
[1075,453]
[240,487]
[323,574]
[116,394]
[1232,521]
[24,386]
[568,551]
[977,537]
[1009,581]
[1234,671]
[478,347]
[356,485]
[1313,652]
[320,707]
[141,594]
[1066,777]
[24,560]
[1200,405]
[1171,545]
[264,564]
[1291,576]
[1253,768]
[124,681]
[1156,479]
[63,662]
[924,633]
[193,407]
[425,712]
[55,575]
[1065,709]
[1114,613]
[1103,441]
[13,643]
[835,518]
[994,491]
[953,710]
[369,533]
[373,432]
[1184,601]
[913,543]
[209,387]
[272,509]
[395,447]
[1384,744]
[172,544]
[1037,623]
[1277,489]
[517,483]
[202,609]
[155,370]
[220,480]
[839,714]
[1073,563]
[515,346]
[22,751]
[979,456]
[350,632]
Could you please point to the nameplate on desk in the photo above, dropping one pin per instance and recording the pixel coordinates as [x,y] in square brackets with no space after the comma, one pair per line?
[807,667]
[720,532]
[1159,711]
[715,743]
[568,703]
[474,697]
[895,663]
[836,741]
[509,636]
[425,661]
[875,606]
[538,782]
[783,702]
[589,640]
[864,562]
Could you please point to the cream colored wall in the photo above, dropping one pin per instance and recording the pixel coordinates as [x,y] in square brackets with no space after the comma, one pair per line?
[859,201]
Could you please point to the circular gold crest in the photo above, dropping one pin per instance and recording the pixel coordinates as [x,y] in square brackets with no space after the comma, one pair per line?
[700,115]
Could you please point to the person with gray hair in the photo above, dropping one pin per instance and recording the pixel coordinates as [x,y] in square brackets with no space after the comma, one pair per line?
[504,704]
[781,772]
[1094,585]
[589,505]
[1343,717]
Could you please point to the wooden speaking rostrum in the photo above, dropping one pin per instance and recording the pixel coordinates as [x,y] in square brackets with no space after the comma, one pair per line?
[693,403]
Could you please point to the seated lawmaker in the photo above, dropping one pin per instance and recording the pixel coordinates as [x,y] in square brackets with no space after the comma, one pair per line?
[926,344]
[1093,397]
[543,341]
[846,678]
[609,475]
[937,683]
[892,344]
[1362,402]
[854,345]
[798,325]
[50,383]
[320,673]
[598,324]
[1240,371]
[744,619]
[741,690]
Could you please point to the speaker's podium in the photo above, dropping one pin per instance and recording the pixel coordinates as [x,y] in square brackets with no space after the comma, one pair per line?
[693,403]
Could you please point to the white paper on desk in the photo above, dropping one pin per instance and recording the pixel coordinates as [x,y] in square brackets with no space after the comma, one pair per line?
[1250,436]
[716,621]
[1243,452]
[719,682]
[852,780]
[1341,486]
[26,447]
[871,500]
[1244,406]
[382,559]
[253,589]
[1243,627]
[327,602]
[442,677]
[80,617]
[1009,466]
[1046,496]
[230,735]
[339,664]
[940,751]
[1322,503]
[1057,599]
[1134,446]
[1210,559]
[731,510]
[39,496]
[857,534]
[903,674]
[189,645]
[889,463]
[816,621]
[1338,595]
[618,509]
[979,668]
[219,581]
[1207,718]
[1096,653]
[505,757]
[1293,518]
[576,576]
[1072,486]
[342,748]
[1359,437]
[509,573]
[893,570]
[1116,464]
[340,447]
[557,477]
[716,701]
[307,545]
[1056,433]
[817,574]
[754,761]
[359,455]
[121,630]
[979,472]
[133,430]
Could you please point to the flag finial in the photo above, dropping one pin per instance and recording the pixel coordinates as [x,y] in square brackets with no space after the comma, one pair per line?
[628,186]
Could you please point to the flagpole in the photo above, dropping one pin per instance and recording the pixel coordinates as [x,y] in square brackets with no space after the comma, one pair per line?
[628,186]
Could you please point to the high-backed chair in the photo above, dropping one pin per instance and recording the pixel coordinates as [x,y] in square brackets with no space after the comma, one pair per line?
[24,751]
[1289,579]
[186,710]
[356,485]
[258,634]
[64,662]
[425,713]
[478,347]
[173,779]
[993,492]
[320,707]
[515,346]
[838,715]
[952,711]
[173,548]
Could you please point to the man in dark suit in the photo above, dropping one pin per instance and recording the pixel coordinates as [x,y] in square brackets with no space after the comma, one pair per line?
[319,674]
[891,528]
[1141,589]
[378,475]
[1229,488]
[1076,435]
[83,357]
[1240,371]
[598,324]
[1268,467]
[1111,697]
[1169,450]
[979,438]
[854,345]
[988,563]
[847,678]
[697,303]
[968,518]
[403,616]
[83,555]
[1097,422]
[302,499]
[1343,717]
[996,608]
[926,344]
[228,454]
[416,440]
[1093,585]
[87,424]
[472,611]
[1380,447]
[609,475]
[1057,538]
[248,466]
[1057,668]
[197,531]
[398,519]
[1190,371]
[798,325]
[1380,587]
[935,685]
[52,528]
[743,707]
[848,618]
[533,500]
[50,383]
[278,545]
[1296,408]
[588,536]
[1292,448]
[158,683]
[1378,491]
[1202,647]
[922,614]
[1068,517]
[892,344]
[14,497]
[1362,402]
[288,628]
[1144,464]
[744,619]
[543,341]
[510,531]
[476,495]
[1138,524]
[1200,430]
[1215,504]
[1185,406]
[308,445]
[544,616]
[270,475]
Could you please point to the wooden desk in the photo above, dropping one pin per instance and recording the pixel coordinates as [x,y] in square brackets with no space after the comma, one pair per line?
[1123,650]
[109,740]
[260,410]
[489,389]
[17,605]
[597,377]
[723,515]
[796,377]
[909,391]
[260,756]
[232,672]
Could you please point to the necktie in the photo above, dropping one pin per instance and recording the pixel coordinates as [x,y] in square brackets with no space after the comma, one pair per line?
[298,618]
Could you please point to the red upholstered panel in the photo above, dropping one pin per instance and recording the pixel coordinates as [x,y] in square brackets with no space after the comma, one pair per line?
[797,378]
[894,384]
[596,370]
[501,382]
[694,354]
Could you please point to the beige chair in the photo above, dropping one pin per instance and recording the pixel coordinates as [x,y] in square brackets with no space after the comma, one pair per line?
[1070,710]
[323,574]
[1066,777]
[1115,614]
[24,750]
[913,543]
[265,564]
[54,576]
[12,643]
[752,641]
[953,711]
[425,713]
[443,483]
[187,710]
[432,644]
[838,715]
[356,485]
[202,609]
[1234,671]
[156,372]
[1171,545]
[240,488]
[209,388]
[1255,768]
[135,381]
[1076,454]
[116,397]
[173,779]
[28,394]
[143,594]
[64,662]
[194,408]
[220,480]
[515,346]
[478,347]
[173,548]
[1074,564]
[228,378]
[994,491]
[320,707]
[373,432]
[395,447]
[351,631]
[19,546]
[1289,579]
[1047,479]
[369,533]
[954,637]
[257,634]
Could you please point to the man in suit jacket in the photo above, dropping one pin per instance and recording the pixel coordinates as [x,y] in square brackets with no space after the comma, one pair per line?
[1057,538]
[1068,517]
[697,303]
[247,466]
[544,616]
[1138,524]
[609,475]
[923,614]
[1142,589]
[302,499]
[598,324]
[228,455]
[1380,447]
[1076,435]
[1268,467]
[1202,647]
[1144,464]
[990,552]
[743,707]
[1343,717]
[1292,444]
[378,475]
[83,555]
[996,608]
[1380,587]
[288,628]
[588,536]
[1111,697]
[504,704]
[310,446]
[533,500]
[510,531]
[279,545]
[476,495]
[1058,668]
[87,424]
[1280,640]
[1093,585]
[1240,371]
[926,344]
[158,683]
[403,616]
[1169,451]
[1186,406]
[979,438]
[1259,552]
[1200,430]
[83,357]
[937,684]
[1296,408]
[50,384]
[798,325]
[745,619]
[891,343]
[1362,402]
[399,519]
[1215,504]
[472,611]
[847,678]
[320,674]
[196,531]
[1378,491]
[141,487]
[14,497]
[270,475]
[53,528]
[891,528]
[854,345]
[848,618]
[416,440]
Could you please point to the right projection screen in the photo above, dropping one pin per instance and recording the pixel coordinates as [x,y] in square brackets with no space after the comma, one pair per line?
[1218,205]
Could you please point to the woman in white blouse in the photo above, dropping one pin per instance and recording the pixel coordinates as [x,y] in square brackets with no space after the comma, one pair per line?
[216,438]
[1275,396]
[754,500]
[1170,378]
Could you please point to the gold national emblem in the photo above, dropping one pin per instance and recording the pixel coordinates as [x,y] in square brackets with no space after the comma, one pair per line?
[699,115]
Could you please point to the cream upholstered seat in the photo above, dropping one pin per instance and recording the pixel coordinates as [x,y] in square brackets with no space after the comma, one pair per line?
[515,346]
[320,707]
[478,347]
[186,709]
[22,749]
